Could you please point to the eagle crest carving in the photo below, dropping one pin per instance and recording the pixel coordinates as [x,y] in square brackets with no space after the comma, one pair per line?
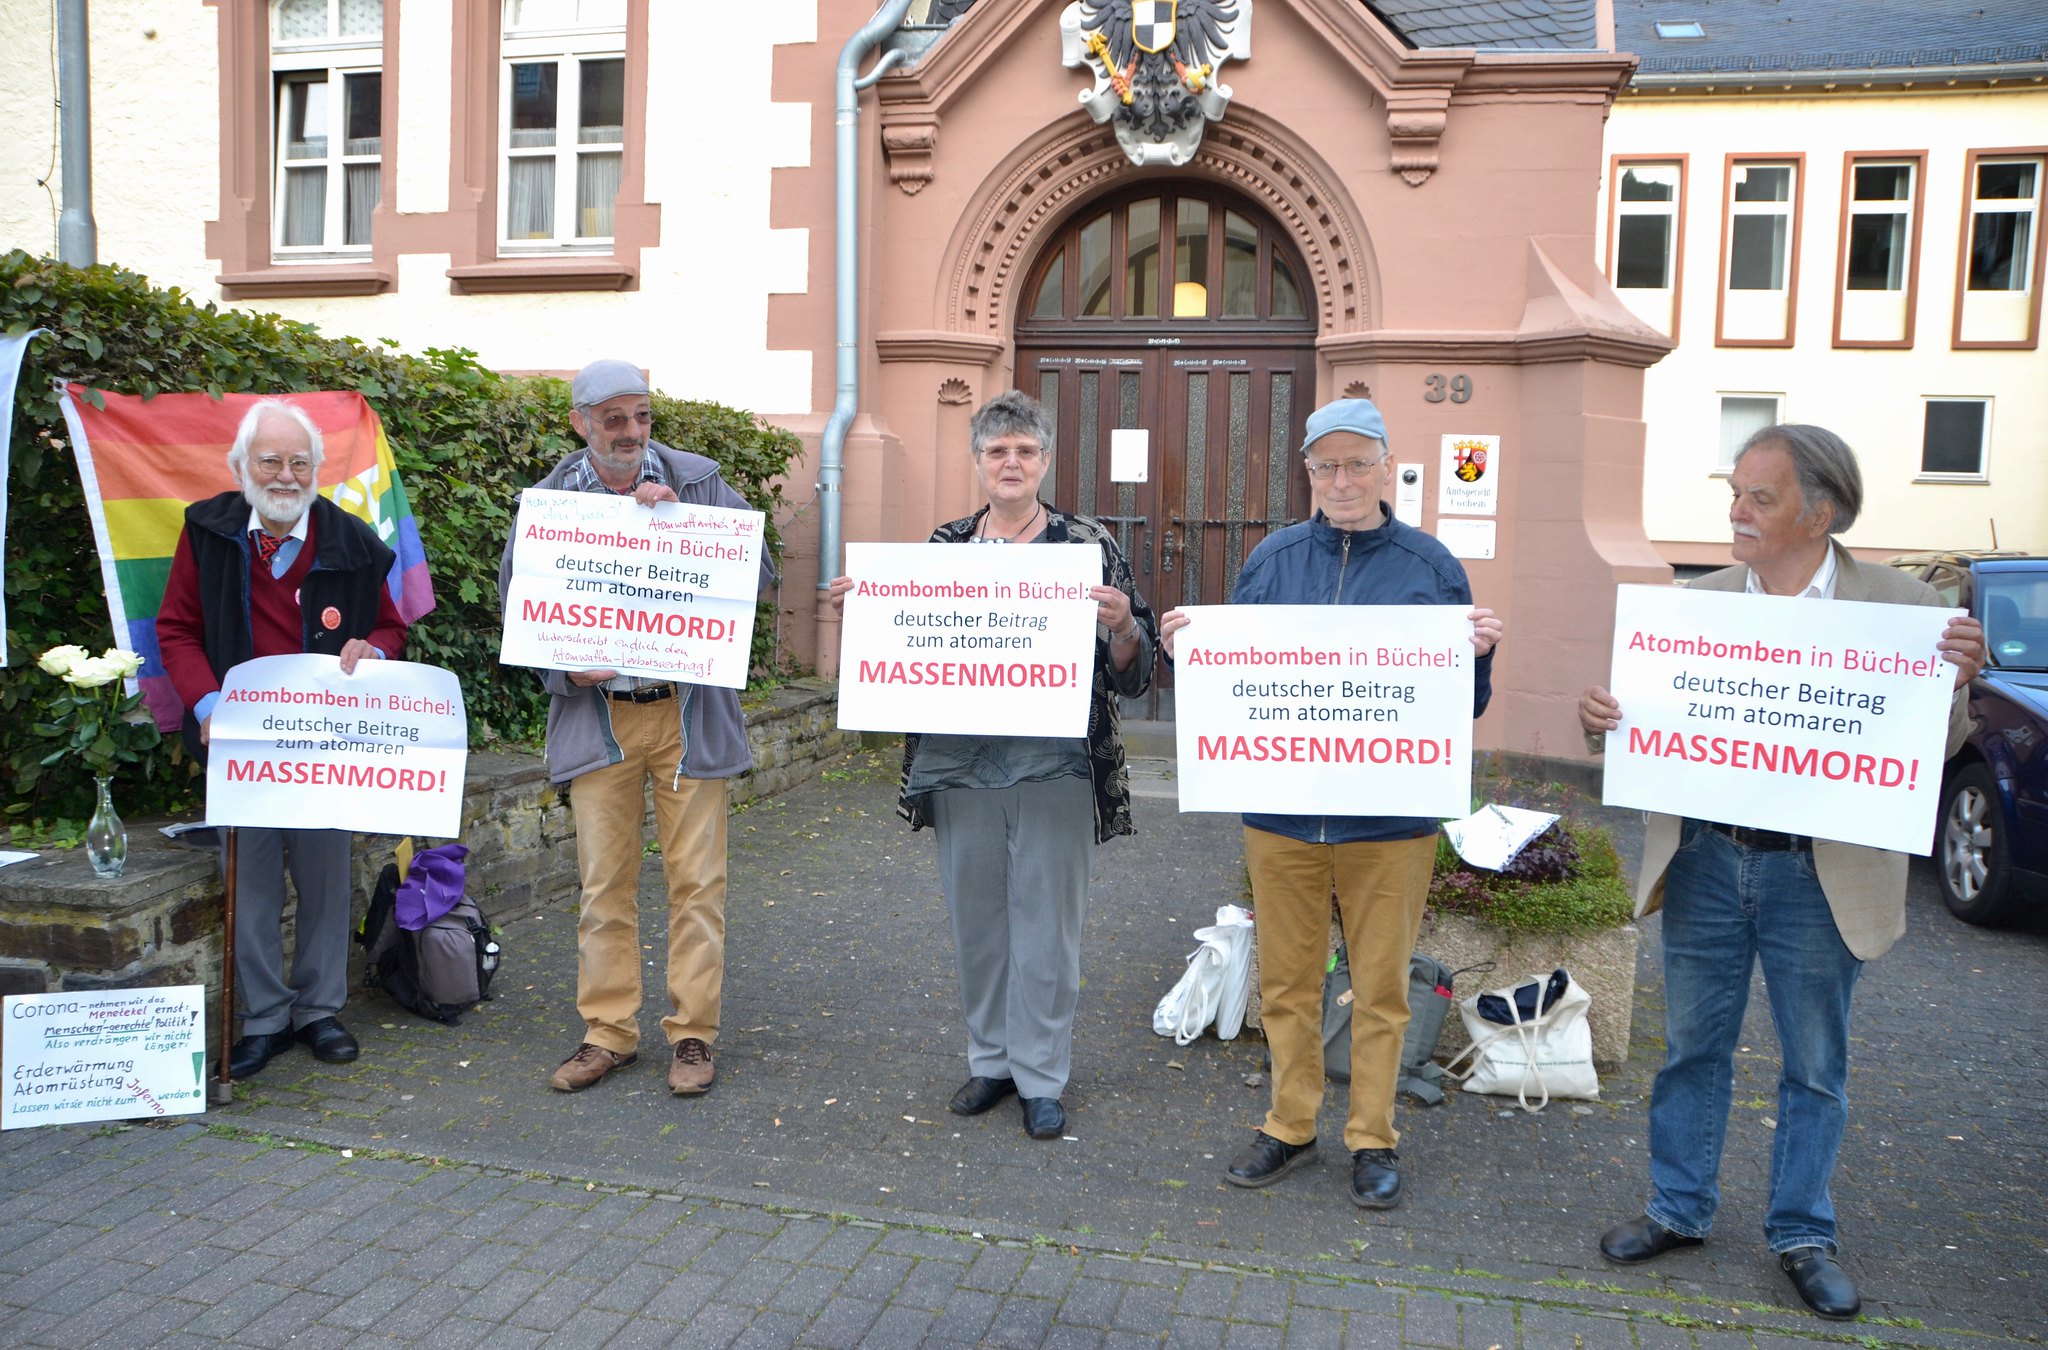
[1155,64]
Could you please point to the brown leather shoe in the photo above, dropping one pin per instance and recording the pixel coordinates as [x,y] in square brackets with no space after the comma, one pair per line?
[589,1064]
[691,1071]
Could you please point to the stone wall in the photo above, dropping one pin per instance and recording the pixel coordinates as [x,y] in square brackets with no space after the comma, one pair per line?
[63,928]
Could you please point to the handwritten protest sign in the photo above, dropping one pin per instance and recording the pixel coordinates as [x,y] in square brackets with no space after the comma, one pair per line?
[1813,717]
[600,582]
[1339,710]
[966,640]
[296,744]
[106,1054]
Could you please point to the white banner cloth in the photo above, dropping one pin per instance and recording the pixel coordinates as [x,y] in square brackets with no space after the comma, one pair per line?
[600,582]
[1326,710]
[296,744]
[965,639]
[1817,717]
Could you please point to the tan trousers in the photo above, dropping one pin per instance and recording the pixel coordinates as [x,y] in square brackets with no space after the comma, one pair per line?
[1380,890]
[689,820]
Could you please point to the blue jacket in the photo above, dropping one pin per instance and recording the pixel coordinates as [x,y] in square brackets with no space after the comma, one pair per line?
[1315,563]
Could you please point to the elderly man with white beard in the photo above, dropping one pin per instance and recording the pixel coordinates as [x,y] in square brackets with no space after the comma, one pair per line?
[273,569]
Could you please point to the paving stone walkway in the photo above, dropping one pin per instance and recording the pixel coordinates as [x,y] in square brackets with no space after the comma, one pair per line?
[437,1193]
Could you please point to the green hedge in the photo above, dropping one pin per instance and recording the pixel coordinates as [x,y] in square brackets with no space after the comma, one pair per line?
[466,440]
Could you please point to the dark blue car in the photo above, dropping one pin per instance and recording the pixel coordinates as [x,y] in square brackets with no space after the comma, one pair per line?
[1991,851]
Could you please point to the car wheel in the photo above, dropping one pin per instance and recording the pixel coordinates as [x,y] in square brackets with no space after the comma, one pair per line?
[1976,878]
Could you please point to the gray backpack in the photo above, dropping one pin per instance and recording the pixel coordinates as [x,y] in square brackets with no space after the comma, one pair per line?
[1429,1003]
[439,971]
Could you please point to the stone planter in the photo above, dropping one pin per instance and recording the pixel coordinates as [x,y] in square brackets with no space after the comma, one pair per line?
[1603,961]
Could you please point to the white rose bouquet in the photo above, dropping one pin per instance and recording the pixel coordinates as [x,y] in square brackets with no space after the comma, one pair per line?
[94,718]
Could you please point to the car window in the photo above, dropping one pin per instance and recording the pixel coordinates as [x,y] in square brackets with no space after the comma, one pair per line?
[1949,584]
[2015,610]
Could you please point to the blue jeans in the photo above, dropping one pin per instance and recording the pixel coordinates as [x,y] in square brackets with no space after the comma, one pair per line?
[1725,908]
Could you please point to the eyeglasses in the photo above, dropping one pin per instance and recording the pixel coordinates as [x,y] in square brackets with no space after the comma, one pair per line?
[1023,454]
[270,466]
[1324,471]
[618,421]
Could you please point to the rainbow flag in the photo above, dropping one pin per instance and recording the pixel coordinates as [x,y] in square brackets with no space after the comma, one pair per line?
[144,461]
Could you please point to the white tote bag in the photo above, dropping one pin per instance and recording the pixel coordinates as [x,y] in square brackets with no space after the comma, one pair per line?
[1214,988]
[1544,1050]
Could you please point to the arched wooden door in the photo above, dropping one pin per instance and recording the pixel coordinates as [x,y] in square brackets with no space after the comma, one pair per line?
[1177,312]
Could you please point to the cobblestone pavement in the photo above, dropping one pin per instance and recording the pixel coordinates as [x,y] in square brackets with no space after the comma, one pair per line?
[437,1192]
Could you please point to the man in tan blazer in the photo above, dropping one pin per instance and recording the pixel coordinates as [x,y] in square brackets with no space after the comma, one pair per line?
[1812,911]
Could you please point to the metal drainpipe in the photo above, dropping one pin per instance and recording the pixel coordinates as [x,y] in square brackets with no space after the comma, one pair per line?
[846,222]
[77,236]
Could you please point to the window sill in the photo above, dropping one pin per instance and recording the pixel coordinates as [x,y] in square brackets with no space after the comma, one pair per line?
[286,282]
[511,276]
[1965,479]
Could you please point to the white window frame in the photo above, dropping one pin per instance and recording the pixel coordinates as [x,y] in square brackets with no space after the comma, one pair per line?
[568,48]
[2001,318]
[1724,454]
[1761,315]
[1670,210]
[1900,208]
[334,59]
[1982,474]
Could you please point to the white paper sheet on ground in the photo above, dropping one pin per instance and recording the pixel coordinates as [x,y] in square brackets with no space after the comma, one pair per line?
[1493,835]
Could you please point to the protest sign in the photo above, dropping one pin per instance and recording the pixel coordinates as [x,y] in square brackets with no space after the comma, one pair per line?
[1327,710]
[600,582]
[295,744]
[1814,717]
[971,641]
[106,1054]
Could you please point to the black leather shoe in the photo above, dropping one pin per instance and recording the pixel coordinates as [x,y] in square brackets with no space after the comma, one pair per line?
[1823,1286]
[251,1053]
[1375,1183]
[1044,1118]
[1642,1239]
[977,1095]
[329,1041]
[1267,1160]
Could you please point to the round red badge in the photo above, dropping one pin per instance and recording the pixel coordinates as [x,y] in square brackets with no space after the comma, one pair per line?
[330,617]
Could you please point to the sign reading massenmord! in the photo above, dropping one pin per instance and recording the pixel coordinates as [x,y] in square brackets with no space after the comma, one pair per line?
[953,638]
[296,744]
[1817,717]
[600,582]
[1325,710]
[102,1054]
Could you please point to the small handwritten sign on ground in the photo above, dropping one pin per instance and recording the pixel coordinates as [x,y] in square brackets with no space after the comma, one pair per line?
[296,744]
[1338,710]
[969,640]
[106,1054]
[1824,718]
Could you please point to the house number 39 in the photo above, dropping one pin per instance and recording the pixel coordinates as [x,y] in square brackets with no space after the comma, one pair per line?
[1459,387]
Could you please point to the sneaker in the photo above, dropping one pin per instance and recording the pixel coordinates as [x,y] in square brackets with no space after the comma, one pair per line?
[1267,1160]
[589,1064]
[1375,1184]
[691,1071]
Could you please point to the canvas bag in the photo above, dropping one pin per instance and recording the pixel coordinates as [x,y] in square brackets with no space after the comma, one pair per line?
[1216,985]
[446,964]
[1530,1035]
[1429,1004]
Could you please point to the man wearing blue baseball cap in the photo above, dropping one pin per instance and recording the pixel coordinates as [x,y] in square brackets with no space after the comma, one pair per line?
[610,737]
[1350,552]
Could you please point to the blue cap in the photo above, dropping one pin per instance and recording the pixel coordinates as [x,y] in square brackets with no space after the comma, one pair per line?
[602,381]
[1346,414]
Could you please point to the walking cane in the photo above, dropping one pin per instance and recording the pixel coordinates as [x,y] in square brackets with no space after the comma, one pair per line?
[222,1092]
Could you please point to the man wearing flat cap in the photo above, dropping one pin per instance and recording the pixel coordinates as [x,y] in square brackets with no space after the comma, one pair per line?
[1350,552]
[610,737]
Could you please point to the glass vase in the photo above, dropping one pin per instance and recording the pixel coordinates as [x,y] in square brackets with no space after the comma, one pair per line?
[106,838]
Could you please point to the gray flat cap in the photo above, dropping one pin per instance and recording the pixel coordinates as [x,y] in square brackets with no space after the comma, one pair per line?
[602,380]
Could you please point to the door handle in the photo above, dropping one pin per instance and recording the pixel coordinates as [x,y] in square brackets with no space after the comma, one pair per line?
[1167,544]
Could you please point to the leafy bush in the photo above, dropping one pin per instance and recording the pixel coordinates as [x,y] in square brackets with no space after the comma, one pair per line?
[1567,879]
[466,440]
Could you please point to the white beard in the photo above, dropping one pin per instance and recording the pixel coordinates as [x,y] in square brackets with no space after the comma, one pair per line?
[276,506]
